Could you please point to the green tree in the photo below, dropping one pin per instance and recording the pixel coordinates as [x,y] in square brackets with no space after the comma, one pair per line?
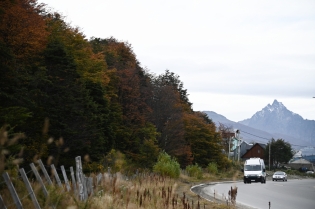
[148,147]
[281,152]
[67,103]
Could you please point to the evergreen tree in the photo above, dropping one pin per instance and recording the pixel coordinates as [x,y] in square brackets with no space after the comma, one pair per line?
[69,107]
[281,152]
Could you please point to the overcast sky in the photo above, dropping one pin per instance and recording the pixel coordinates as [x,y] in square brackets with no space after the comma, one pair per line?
[234,57]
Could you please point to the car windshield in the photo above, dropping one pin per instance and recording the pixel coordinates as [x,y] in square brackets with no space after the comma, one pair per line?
[252,168]
[279,173]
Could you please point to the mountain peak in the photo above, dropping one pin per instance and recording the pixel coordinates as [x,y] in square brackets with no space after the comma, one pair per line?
[276,118]
[277,104]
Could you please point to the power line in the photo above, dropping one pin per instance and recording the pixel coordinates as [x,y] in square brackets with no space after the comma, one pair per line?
[255,135]
[269,139]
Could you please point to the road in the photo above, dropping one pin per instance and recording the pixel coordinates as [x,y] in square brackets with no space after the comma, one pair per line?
[293,194]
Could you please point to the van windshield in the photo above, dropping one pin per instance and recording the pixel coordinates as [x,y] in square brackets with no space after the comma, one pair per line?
[252,168]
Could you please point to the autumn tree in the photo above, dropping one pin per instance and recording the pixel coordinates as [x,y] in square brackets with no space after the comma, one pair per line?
[127,91]
[72,93]
[23,37]
[93,95]
[168,105]
[23,29]
[205,141]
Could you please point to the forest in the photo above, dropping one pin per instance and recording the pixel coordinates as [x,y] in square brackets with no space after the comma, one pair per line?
[67,96]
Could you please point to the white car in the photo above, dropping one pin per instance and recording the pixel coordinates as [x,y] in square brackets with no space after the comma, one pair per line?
[310,172]
[279,175]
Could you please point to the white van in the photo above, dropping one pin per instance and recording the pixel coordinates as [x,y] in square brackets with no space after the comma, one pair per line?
[254,170]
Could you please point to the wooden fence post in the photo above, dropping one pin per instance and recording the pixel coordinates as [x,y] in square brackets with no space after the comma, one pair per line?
[44,171]
[56,176]
[29,188]
[73,181]
[12,190]
[89,185]
[79,177]
[65,178]
[39,179]
[98,179]
[2,205]
[84,182]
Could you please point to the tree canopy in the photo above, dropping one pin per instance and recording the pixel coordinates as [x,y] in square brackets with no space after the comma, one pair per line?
[92,96]
[281,152]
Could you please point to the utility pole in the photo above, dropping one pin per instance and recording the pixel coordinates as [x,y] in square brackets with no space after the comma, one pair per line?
[229,147]
[269,153]
[238,143]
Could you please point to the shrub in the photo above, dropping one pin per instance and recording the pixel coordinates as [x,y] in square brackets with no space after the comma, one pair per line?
[167,166]
[115,160]
[212,168]
[194,171]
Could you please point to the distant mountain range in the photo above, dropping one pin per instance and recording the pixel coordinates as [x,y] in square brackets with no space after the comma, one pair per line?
[273,121]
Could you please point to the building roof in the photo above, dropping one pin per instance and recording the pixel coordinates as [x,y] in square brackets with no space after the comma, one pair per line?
[301,161]
[252,147]
[262,145]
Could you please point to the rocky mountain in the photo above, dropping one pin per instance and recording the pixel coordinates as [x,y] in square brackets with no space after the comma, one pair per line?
[273,121]
[247,133]
[277,119]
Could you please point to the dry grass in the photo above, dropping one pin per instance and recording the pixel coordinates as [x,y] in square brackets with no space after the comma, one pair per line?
[146,190]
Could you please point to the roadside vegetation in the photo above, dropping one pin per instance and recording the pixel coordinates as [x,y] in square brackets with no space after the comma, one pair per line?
[143,189]
[165,186]
[125,186]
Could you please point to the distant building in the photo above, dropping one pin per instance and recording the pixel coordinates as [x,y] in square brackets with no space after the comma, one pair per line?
[229,143]
[256,150]
[244,146]
[307,153]
[302,164]
[249,150]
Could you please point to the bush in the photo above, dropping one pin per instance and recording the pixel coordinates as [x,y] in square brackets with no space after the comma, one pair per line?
[115,160]
[212,168]
[194,171]
[167,166]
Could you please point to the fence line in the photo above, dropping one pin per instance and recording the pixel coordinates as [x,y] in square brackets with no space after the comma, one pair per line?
[29,188]
[12,190]
[82,186]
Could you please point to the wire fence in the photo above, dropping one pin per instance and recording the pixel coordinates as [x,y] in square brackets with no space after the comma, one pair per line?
[81,185]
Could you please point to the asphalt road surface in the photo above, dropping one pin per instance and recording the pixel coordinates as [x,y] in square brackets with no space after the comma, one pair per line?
[293,194]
